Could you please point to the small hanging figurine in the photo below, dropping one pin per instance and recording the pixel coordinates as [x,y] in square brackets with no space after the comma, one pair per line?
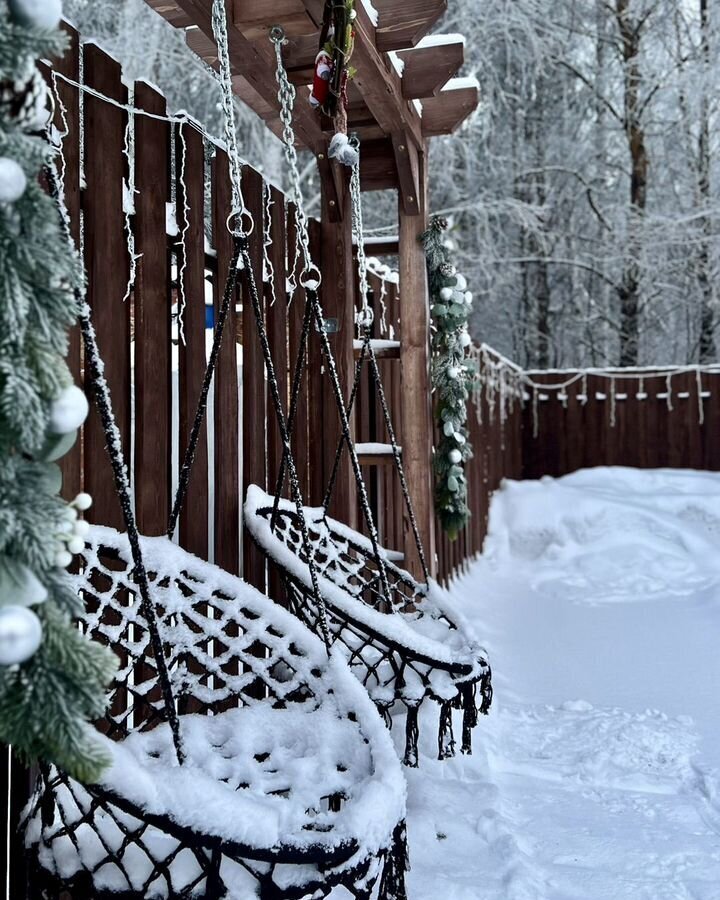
[321,79]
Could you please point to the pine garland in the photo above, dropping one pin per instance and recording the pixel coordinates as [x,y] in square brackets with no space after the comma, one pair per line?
[452,374]
[48,697]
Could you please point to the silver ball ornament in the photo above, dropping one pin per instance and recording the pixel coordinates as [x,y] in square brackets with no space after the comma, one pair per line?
[36,13]
[12,180]
[20,635]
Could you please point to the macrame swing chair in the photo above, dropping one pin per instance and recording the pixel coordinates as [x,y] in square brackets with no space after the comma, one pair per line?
[399,636]
[246,760]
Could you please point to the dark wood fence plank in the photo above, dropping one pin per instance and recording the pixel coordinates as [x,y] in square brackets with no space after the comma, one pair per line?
[255,411]
[106,261]
[277,324]
[316,388]
[152,317]
[190,158]
[226,395]
[69,100]
[300,437]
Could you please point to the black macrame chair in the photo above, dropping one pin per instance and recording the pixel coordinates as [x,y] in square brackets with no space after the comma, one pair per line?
[287,766]
[400,636]
[244,761]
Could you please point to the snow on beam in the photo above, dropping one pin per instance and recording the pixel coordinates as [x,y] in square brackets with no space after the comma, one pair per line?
[427,68]
[402,24]
[444,113]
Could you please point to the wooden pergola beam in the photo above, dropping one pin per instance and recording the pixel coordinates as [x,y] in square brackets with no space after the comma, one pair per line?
[255,60]
[402,24]
[427,68]
[444,113]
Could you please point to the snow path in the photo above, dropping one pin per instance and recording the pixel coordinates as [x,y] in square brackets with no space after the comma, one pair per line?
[596,777]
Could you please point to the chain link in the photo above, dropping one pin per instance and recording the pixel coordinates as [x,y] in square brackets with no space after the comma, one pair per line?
[365,315]
[286,98]
[240,216]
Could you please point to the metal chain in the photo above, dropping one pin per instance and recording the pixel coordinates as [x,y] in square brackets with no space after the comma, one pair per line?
[240,215]
[286,96]
[365,313]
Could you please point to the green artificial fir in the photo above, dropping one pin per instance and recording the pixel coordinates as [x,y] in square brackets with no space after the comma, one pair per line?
[52,680]
[452,374]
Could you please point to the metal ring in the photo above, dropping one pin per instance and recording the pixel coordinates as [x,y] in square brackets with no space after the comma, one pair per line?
[239,215]
[310,275]
[364,317]
[277,34]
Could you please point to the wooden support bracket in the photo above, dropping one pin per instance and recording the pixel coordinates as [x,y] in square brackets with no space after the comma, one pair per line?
[406,162]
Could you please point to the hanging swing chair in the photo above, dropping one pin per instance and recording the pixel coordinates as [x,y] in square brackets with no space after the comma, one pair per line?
[246,760]
[400,637]
[289,784]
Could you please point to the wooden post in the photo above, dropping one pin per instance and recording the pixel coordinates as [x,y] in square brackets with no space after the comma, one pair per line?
[338,301]
[417,427]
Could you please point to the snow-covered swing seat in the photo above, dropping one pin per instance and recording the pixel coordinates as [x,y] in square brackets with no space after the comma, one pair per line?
[290,783]
[401,637]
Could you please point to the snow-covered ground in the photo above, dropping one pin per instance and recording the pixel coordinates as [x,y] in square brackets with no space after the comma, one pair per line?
[597,774]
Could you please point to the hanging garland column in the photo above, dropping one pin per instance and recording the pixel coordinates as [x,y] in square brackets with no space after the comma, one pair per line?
[52,680]
[452,375]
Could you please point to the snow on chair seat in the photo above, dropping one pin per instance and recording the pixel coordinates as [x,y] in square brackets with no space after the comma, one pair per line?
[404,646]
[290,783]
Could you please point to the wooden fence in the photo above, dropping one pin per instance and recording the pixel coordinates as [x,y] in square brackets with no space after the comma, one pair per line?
[647,418]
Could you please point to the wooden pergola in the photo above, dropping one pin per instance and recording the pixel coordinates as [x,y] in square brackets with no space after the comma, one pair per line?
[402,94]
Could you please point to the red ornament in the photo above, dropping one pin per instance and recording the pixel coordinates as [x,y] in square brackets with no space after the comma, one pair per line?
[321,79]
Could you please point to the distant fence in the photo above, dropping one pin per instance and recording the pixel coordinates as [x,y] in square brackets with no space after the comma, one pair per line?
[526,424]
[647,418]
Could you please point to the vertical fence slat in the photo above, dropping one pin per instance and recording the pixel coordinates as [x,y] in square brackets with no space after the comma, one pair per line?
[69,99]
[316,383]
[106,262]
[277,324]
[152,317]
[226,398]
[300,437]
[255,412]
[191,349]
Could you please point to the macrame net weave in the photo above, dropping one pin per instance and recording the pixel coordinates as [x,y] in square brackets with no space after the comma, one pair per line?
[404,645]
[286,758]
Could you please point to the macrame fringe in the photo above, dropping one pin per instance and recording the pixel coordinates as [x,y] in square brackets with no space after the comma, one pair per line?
[446,739]
[411,738]
[397,863]
[486,693]
[470,718]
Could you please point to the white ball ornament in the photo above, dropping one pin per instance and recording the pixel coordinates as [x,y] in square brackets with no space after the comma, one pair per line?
[446,293]
[81,528]
[20,634]
[82,502]
[455,456]
[460,282]
[453,372]
[68,411]
[12,180]
[465,339]
[62,559]
[76,544]
[36,13]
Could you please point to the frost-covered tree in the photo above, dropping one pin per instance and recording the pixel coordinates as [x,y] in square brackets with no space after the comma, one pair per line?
[52,680]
